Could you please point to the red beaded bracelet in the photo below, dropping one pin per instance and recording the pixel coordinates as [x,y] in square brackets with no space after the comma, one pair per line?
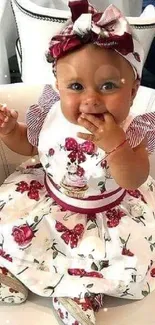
[120,145]
[109,153]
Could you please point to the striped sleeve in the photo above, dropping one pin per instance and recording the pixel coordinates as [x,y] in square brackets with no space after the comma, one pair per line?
[143,126]
[37,113]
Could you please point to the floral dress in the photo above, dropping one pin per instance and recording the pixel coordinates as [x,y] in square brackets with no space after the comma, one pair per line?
[67,229]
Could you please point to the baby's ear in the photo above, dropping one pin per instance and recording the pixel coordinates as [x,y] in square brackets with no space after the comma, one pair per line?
[135,87]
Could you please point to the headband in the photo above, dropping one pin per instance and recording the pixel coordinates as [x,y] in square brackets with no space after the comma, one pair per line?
[108,29]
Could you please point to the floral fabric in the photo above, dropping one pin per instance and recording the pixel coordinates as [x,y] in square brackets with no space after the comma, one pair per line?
[50,248]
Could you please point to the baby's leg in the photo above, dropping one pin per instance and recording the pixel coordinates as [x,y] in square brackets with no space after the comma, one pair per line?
[12,290]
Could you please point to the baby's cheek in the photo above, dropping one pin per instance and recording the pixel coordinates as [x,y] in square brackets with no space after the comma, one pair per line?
[119,109]
[70,111]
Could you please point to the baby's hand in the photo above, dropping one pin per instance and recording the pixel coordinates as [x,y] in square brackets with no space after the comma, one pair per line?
[8,119]
[105,133]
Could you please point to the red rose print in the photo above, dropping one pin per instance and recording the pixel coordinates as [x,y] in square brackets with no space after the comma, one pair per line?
[6,256]
[70,236]
[23,235]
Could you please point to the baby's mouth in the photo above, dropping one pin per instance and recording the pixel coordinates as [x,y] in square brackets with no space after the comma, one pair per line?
[100,116]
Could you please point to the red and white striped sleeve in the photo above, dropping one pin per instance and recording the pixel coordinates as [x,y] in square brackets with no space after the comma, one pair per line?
[37,113]
[142,126]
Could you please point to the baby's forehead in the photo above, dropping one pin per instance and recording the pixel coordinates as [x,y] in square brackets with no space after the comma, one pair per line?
[94,61]
[68,71]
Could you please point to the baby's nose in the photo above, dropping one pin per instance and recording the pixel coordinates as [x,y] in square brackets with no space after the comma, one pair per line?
[92,106]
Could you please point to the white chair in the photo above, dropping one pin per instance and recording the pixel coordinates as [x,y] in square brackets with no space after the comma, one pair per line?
[38,310]
[4,67]
[144,27]
[37,24]
[128,7]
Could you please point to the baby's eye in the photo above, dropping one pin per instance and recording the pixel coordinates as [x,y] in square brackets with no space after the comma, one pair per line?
[76,86]
[108,86]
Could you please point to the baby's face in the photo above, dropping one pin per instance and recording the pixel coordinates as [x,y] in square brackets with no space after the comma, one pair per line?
[93,80]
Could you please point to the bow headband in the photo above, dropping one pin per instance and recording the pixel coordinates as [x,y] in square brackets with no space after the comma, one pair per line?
[108,29]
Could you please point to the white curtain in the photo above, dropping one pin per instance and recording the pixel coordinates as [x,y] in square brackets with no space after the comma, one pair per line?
[128,7]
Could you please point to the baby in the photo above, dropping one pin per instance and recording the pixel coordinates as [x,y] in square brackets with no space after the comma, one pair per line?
[74,226]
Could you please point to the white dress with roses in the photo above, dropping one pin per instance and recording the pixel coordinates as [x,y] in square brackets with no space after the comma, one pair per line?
[65,223]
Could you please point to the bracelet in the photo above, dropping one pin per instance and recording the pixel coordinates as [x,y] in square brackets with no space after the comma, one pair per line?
[108,153]
[119,146]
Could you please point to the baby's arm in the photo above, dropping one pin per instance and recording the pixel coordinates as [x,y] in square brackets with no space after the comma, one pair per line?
[14,133]
[129,167]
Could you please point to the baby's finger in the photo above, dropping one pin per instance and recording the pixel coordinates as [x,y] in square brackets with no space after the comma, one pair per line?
[86,136]
[109,118]
[87,125]
[6,119]
[3,124]
[94,119]
[2,116]
[7,111]
[3,108]
[14,113]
